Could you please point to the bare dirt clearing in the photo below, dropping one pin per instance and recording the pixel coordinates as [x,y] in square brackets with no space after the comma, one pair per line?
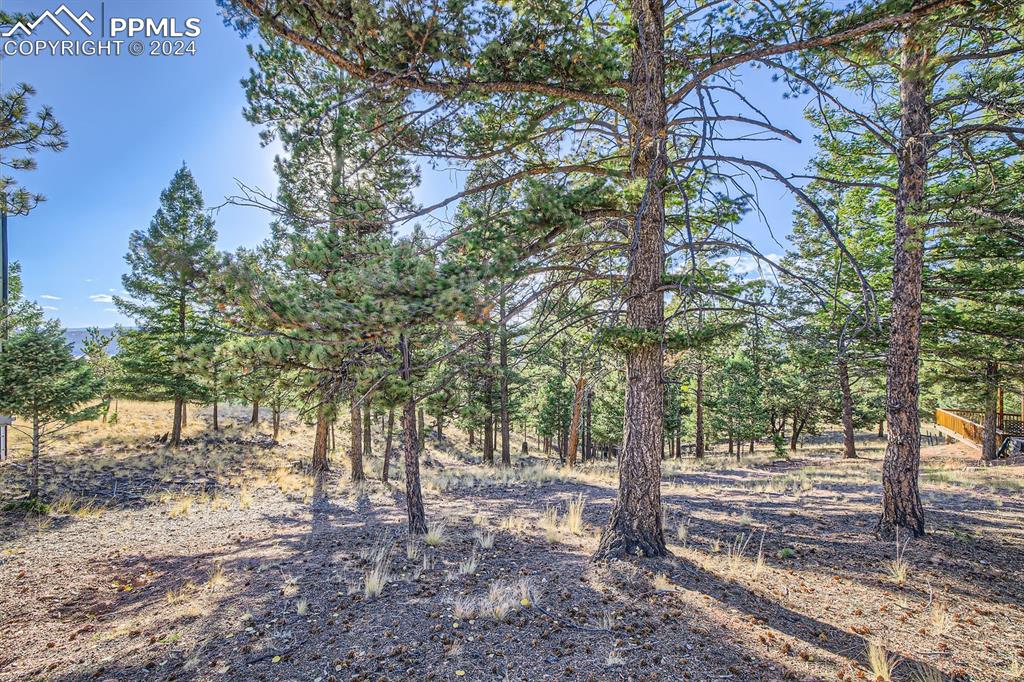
[224,561]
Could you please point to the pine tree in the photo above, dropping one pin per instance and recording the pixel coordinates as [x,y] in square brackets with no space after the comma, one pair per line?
[171,264]
[45,385]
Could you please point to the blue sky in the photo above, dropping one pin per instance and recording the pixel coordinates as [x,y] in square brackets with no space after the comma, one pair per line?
[132,121]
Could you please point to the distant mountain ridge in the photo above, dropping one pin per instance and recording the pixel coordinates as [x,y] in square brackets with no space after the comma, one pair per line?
[76,337]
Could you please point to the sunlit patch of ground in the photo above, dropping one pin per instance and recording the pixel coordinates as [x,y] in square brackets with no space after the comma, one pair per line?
[225,561]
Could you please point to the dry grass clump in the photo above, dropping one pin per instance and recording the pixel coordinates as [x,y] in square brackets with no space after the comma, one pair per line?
[899,567]
[245,497]
[504,597]
[378,574]
[549,522]
[180,594]
[217,577]
[302,607]
[437,533]
[182,506]
[468,565]
[939,619]
[465,607]
[880,663]
[683,532]
[661,583]
[513,523]
[573,520]
[74,505]
[484,538]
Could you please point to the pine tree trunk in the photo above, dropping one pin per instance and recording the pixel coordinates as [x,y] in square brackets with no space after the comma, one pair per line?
[901,500]
[439,426]
[488,389]
[471,438]
[422,427]
[503,416]
[355,451]
[387,444]
[413,495]
[635,526]
[588,434]
[184,414]
[489,440]
[989,438]
[574,424]
[999,405]
[367,436]
[255,418]
[881,428]
[276,421]
[849,444]
[33,486]
[216,417]
[320,442]
[798,427]
[176,426]
[698,450]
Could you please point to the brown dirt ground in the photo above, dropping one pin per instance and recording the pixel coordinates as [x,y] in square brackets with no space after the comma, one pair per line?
[223,562]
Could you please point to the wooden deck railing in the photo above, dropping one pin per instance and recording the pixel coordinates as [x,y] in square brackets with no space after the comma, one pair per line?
[970,424]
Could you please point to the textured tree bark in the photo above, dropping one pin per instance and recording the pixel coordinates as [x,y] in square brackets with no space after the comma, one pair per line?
[255,418]
[472,437]
[488,393]
[999,403]
[176,426]
[216,419]
[849,444]
[355,450]
[799,419]
[989,439]
[574,424]
[320,441]
[367,435]
[881,428]
[503,416]
[275,420]
[901,501]
[588,434]
[184,414]
[635,526]
[699,417]
[387,444]
[413,494]
[422,419]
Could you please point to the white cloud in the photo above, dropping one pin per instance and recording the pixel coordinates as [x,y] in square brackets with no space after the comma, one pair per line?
[48,307]
[101,298]
[110,310]
[50,297]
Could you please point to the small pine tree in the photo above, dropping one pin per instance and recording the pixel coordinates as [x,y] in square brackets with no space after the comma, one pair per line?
[45,385]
